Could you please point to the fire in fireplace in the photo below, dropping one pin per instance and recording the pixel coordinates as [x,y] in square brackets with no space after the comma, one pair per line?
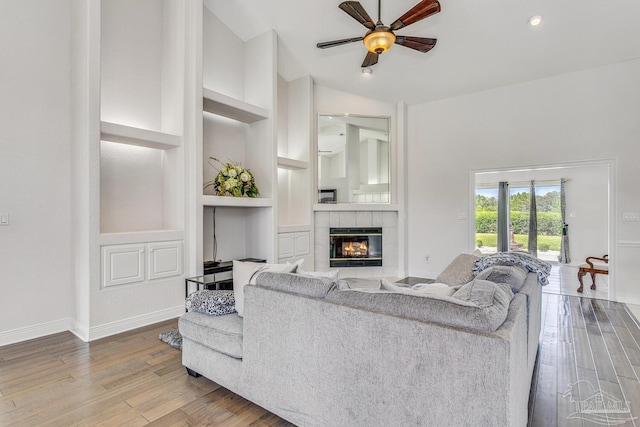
[355,247]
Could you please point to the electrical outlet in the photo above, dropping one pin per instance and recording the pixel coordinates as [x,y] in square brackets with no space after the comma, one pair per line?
[630,217]
[4,219]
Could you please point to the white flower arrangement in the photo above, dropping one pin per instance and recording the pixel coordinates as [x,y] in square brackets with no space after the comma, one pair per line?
[233,180]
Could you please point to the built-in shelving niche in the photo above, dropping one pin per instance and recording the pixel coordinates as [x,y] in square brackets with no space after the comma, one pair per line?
[232,128]
[142,104]
[295,124]
[238,127]
[137,179]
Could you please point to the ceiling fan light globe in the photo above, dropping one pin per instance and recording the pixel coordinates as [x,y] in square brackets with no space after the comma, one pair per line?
[379,41]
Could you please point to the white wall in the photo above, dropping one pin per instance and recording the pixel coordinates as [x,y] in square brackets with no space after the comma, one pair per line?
[222,57]
[131,71]
[35,268]
[586,115]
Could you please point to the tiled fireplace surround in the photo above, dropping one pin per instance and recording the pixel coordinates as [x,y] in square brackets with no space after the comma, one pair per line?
[388,220]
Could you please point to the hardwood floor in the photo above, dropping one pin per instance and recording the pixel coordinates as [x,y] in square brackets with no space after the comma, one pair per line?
[135,379]
[596,344]
[130,379]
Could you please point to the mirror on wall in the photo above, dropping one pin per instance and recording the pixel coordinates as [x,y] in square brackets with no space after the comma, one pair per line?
[353,159]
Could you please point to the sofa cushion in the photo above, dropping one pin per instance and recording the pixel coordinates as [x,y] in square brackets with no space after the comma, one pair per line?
[331,274]
[316,287]
[514,275]
[459,271]
[357,283]
[419,289]
[482,306]
[211,302]
[245,273]
[220,333]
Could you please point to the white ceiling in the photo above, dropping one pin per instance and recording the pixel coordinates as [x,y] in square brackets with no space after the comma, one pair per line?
[481,44]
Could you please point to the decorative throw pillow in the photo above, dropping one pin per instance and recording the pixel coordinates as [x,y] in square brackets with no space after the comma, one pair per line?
[459,272]
[212,302]
[298,264]
[245,273]
[331,274]
[513,275]
[420,289]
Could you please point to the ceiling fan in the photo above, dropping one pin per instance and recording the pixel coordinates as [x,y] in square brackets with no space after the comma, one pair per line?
[380,38]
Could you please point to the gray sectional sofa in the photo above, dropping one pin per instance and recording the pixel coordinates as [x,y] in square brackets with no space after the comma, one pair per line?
[317,355]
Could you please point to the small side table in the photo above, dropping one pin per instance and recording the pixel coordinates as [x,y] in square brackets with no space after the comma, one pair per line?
[217,276]
[222,280]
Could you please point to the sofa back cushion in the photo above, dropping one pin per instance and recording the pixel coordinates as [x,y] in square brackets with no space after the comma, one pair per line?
[479,305]
[316,287]
[358,283]
[459,271]
[245,273]
[330,274]
[419,289]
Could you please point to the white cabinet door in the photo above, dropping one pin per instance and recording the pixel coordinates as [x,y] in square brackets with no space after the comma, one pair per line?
[122,264]
[165,259]
[286,245]
[302,244]
[293,245]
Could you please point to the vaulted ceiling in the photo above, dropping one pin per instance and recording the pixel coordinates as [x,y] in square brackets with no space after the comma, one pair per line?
[481,44]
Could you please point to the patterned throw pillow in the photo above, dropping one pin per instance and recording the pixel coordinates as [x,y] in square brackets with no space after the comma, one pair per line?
[214,303]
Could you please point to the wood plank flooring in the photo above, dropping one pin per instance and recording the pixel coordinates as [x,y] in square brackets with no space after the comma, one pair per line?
[589,352]
[133,378]
[129,379]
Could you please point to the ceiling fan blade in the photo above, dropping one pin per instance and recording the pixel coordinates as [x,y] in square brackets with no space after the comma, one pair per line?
[357,12]
[325,45]
[420,44]
[420,11]
[370,59]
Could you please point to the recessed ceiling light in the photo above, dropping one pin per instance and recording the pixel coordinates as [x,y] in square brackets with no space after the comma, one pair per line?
[367,71]
[536,20]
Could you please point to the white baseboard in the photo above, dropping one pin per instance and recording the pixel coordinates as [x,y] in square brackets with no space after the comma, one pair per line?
[90,334]
[80,331]
[112,328]
[35,331]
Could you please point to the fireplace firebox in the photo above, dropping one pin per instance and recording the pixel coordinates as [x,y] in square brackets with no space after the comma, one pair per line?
[355,247]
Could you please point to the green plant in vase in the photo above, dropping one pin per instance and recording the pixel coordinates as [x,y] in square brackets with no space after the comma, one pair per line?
[232,180]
